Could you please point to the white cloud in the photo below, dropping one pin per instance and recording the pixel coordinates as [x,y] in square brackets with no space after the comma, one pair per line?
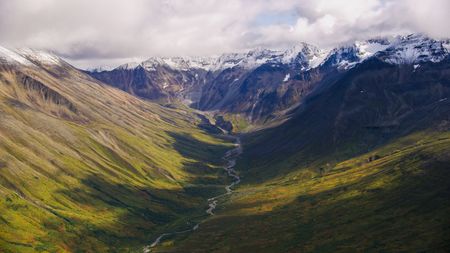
[89,32]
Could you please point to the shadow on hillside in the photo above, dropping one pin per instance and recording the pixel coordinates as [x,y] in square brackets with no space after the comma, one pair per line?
[369,106]
[124,216]
[352,217]
[205,162]
[192,148]
[138,212]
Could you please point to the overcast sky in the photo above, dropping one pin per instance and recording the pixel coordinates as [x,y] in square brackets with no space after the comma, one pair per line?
[90,33]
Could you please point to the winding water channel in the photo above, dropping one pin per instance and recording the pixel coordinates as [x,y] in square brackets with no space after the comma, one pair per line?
[230,158]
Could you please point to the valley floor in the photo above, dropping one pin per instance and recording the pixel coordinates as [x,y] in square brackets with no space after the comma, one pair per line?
[88,168]
[393,199]
[230,159]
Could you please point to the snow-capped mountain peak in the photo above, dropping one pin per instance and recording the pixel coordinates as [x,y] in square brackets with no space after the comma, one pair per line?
[348,56]
[409,49]
[414,48]
[304,55]
[179,63]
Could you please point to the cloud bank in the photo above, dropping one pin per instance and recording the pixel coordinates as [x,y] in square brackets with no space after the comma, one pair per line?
[109,32]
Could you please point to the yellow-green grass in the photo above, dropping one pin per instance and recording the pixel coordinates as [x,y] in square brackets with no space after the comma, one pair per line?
[102,172]
[393,199]
[240,122]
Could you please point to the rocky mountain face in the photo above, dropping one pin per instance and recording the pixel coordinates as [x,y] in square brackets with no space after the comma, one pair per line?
[365,107]
[261,83]
[255,84]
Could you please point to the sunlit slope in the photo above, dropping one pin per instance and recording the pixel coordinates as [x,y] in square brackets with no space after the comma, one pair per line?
[88,168]
[393,199]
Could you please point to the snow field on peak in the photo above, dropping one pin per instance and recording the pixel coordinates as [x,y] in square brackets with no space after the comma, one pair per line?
[39,56]
[12,57]
[414,48]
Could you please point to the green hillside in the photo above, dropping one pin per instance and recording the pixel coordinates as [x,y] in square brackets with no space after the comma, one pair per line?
[393,199]
[88,168]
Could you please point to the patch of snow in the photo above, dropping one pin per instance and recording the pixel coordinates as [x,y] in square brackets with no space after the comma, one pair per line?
[416,66]
[129,66]
[446,45]
[414,48]
[227,61]
[368,48]
[176,63]
[348,56]
[100,69]
[317,59]
[394,50]
[39,56]
[286,78]
[306,55]
[179,63]
[11,57]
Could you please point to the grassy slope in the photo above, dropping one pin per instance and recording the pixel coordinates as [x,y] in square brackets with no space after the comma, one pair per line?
[351,171]
[397,202]
[104,171]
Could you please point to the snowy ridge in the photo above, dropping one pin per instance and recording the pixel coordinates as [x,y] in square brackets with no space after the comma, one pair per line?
[179,63]
[10,57]
[304,55]
[39,56]
[28,57]
[346,57]
[130,65]
[414,48]
[100,69]
[410,49]
[446,45]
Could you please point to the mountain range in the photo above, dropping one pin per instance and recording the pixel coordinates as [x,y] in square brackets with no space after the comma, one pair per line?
[341,150]
[260,85]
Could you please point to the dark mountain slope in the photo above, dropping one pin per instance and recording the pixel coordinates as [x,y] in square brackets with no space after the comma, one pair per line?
[361,166]
[255,85]
[370,105]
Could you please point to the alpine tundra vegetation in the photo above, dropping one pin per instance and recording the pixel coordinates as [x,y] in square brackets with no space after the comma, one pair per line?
[224,126]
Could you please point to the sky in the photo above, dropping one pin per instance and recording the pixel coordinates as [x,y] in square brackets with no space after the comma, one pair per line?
[92,33]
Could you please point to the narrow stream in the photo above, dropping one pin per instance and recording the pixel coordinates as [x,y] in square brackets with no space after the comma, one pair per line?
[230,157]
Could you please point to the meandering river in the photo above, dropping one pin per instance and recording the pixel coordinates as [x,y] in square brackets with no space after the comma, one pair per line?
[230,158]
